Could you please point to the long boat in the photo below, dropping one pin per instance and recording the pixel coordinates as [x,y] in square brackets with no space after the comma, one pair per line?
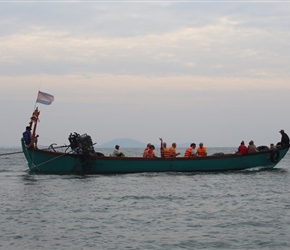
[80,158]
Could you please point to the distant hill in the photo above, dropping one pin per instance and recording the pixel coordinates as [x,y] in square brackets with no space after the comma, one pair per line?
[123,143]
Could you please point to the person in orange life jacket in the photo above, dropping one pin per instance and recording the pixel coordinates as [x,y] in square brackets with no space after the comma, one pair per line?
[242,149]
[150,152]
[163,148]
[164,151]
[145,150]
[201,150]
[172,151]
[190,151]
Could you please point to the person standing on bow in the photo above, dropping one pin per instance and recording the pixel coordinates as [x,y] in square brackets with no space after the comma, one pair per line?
[201,150]
[190,151]
[172,151]
[284,138]
[27,136]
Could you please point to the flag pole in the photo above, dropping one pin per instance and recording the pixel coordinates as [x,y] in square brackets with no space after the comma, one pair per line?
[37,95]
[36,101]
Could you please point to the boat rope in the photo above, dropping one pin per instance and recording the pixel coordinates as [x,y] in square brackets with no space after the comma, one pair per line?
[11,153]
[36,166]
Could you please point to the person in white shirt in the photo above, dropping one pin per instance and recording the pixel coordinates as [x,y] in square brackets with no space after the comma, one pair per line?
[116,152]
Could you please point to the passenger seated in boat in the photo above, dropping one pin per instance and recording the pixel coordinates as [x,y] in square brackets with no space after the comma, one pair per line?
[272,146]
[145,150]
[252,147]
[150,152]
[190,151]
[116,152]
[201,150]
[172,151]
[164,151]
[242,149]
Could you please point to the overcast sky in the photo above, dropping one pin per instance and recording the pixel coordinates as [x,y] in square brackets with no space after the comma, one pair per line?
[215,72]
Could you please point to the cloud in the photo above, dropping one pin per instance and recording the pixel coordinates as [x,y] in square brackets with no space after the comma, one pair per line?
[183,71]
[191,51]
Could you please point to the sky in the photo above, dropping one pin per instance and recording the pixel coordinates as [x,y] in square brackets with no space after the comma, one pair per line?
[215,72]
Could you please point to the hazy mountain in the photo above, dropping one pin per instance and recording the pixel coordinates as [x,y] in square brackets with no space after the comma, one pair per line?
[123,143]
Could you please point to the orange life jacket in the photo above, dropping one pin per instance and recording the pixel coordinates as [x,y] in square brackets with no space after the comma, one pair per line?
[188,152]
[150,153]
[145,151]
[162,152]
[166,153]
[172,152]
[201,151]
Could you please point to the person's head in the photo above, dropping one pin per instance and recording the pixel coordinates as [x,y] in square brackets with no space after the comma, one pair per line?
[281,131]
[28,128]
[201,144]
[152,147]
[193,145]
[117,147]
[164,144]
[148,145]
[251,142]
[242,143]
[174,144]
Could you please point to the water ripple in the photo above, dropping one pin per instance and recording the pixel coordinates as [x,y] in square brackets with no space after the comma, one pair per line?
[233,210]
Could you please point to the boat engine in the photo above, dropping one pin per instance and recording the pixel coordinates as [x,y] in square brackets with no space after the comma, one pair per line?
[80,142]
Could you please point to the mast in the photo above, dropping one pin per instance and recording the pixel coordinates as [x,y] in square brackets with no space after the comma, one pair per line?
[33,125]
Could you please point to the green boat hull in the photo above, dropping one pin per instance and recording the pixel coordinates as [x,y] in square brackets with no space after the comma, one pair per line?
[50,162]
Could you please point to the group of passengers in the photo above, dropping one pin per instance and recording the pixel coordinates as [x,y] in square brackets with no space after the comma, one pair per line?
[242,149]
[170,152]
[192,151]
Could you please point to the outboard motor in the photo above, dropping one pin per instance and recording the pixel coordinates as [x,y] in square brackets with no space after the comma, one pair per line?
[82,142]
[83,146]
[73,140]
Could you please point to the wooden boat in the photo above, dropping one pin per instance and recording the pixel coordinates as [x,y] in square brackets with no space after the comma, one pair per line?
[79,158]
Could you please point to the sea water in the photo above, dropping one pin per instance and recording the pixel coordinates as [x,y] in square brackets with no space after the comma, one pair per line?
[231,210]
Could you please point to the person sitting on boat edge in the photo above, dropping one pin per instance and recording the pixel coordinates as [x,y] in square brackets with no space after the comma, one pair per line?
[116,152]
[201,150]
[164,151]
[172,151]
[242,149]
[145,150]
[27,136]
[36,141]
[252,147]
[284,138]
[150,152]
[190,151]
